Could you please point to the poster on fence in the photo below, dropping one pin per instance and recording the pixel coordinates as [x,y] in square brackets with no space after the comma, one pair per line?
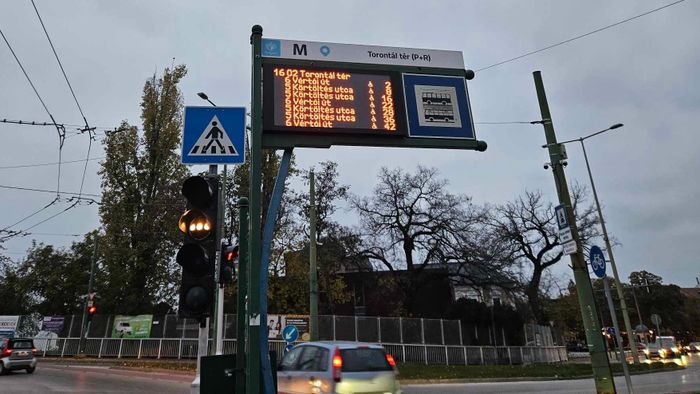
[132,326]
[301,322]
[275,324]
[52,324]
[8,326]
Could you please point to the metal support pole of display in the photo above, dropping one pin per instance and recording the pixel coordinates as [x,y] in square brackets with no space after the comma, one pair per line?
[602,373]
[253,358]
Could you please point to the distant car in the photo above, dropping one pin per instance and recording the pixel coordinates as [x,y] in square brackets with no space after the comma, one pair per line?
[337,367]
[670,346]
[653,350]
[693,347]
[124,328]
[17,353]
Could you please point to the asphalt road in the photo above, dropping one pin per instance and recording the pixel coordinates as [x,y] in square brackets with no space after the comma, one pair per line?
[84,379]
[52,378]
[684,381]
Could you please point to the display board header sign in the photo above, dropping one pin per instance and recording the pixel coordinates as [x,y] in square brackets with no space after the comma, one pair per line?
[366,54]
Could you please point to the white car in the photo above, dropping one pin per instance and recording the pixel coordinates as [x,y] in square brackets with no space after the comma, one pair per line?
[337,367]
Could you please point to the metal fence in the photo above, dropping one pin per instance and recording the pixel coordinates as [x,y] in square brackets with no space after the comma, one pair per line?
[179,348]
[331,327]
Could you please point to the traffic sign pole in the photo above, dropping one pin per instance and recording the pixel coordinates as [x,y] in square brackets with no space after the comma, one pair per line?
[618,338]
[313,274]
[602,373]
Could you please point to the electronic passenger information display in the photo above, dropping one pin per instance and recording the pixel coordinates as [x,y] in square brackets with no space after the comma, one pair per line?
[327,100]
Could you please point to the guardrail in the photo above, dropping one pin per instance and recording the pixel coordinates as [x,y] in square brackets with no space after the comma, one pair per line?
[178,348]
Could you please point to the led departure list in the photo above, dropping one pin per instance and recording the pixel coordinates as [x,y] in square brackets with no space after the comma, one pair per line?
[329,99]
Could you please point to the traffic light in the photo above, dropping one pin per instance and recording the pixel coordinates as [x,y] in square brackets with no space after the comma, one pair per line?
[227,271]
[197,254]
[92,309]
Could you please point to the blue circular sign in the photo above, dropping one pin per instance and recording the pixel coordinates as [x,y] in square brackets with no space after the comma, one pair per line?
[597,261]
[290,333]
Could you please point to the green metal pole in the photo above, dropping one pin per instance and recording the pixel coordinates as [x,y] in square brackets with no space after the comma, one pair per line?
[618,284]
[241,344]
[83,329]
[253,360]
[602,373]
[313,279]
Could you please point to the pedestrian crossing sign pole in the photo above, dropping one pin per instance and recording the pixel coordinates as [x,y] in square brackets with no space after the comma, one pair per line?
[214,135]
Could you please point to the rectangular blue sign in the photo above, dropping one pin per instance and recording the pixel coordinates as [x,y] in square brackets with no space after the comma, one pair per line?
[437,106]
[213,135]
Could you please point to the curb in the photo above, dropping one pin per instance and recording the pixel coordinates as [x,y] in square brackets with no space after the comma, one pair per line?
[521,379]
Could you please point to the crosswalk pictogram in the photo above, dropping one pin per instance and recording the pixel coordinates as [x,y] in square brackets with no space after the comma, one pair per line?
[214,141]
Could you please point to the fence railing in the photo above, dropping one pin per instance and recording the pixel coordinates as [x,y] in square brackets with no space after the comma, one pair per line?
[179,348]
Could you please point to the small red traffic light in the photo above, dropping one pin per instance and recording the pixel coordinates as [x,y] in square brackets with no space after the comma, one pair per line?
[92,310]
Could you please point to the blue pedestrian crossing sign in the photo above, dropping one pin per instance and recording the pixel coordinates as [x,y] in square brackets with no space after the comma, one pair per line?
[213,135]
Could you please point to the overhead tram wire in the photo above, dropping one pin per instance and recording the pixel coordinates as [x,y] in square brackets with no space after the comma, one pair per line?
[75,98]
[59,128]
[580,36]
[49,164]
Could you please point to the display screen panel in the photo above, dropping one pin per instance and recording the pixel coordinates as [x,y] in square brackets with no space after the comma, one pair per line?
[300,98]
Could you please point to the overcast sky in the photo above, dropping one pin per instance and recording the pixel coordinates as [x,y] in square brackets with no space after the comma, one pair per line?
[643,73]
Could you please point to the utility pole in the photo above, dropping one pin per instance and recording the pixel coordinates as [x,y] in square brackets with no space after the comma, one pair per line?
[83,329]
[313,275]
[602,373]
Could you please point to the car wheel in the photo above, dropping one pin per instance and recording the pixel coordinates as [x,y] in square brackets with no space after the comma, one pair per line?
[31,369]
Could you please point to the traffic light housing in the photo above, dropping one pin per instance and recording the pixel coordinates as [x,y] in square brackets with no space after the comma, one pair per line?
[197,254]
[92,310]
[227,267]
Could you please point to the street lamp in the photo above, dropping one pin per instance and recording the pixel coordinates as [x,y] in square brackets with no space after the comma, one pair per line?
[623,304]
[204,96]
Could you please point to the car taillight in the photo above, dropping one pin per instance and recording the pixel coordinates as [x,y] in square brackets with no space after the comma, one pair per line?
[7,352]
[390,360]
[337,365]
[34,350]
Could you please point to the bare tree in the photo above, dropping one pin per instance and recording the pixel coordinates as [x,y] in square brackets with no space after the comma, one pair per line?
[411,220]
[527,226]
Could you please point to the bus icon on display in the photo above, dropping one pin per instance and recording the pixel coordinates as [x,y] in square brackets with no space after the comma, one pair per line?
[430,98]
[433,115]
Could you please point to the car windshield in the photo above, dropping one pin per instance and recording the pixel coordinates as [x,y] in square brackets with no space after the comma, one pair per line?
[666,342]
[22,345]
[364,359]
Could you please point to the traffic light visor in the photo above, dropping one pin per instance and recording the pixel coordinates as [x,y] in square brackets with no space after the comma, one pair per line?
[197,191]
[193,259]
[196,224]
[197,299]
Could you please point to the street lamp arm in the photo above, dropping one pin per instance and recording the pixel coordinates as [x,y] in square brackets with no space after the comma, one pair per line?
[580,139]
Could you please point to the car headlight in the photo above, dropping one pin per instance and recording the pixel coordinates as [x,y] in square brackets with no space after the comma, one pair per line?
[662,352]
[674,349]
[646,351]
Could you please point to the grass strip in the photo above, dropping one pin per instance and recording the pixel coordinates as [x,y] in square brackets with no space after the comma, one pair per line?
[554,371]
